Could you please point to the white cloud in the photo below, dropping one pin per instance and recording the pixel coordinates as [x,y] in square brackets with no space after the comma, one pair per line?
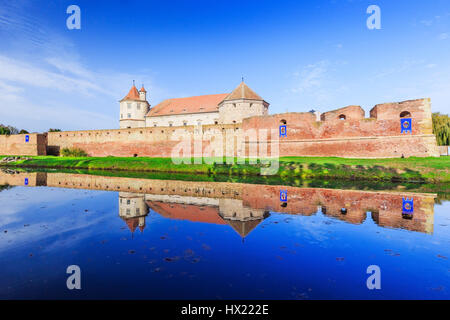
[26,74]
[426,23]
[44,82]
[310,77]
[443,36]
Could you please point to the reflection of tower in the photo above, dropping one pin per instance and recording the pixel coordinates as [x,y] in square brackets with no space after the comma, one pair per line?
[242,219]
[133,209]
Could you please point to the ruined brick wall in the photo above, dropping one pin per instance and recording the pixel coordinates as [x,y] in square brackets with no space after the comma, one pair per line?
[346,133]
[343,132]
[20,145]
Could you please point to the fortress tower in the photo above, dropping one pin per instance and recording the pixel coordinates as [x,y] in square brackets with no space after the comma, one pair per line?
[242,103]
[133,108]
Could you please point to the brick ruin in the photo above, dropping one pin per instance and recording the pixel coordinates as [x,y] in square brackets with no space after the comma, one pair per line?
[392,130]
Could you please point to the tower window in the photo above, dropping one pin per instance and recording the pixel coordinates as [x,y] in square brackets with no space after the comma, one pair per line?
[184,123]
[139,106]
[342,117]
[129,115]
[129,105]
[121,116]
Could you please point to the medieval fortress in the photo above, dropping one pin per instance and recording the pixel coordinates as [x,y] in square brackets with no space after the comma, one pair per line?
[391,130]
[243,102]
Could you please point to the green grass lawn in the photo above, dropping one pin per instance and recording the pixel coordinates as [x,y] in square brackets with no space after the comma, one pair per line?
[434,170]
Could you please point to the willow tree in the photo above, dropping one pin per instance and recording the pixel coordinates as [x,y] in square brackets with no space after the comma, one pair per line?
[441,128]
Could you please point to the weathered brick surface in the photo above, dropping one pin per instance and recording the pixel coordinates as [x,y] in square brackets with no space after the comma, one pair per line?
[376,137]
[17,145]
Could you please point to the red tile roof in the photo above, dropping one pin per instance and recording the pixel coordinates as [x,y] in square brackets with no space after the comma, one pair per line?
[242,92]
[133,94]
[142,89]
[197,104]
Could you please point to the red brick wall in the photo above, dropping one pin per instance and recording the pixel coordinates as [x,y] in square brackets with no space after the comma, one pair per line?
[358,137]
[17,145]
[376,137]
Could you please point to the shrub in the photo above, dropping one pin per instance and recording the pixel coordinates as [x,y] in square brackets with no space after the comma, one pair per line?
[73,152]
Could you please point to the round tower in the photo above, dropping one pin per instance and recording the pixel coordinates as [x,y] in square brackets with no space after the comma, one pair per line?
[133,108]
[242,103]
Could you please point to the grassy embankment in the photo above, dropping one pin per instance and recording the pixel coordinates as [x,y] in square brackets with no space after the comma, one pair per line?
[430,170]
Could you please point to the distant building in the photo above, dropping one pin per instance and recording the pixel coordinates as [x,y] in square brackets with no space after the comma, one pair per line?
[223,108]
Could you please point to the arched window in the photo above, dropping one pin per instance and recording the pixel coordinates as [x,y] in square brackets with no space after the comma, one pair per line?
[405,114]
[282,121]
[342,117]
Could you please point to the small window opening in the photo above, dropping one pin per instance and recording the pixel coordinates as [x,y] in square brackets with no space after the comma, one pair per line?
[405,114]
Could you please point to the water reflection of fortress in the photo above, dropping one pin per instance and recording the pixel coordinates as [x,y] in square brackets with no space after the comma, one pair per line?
[242,206]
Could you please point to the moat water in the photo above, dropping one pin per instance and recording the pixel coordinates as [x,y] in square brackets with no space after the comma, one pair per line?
[166,239]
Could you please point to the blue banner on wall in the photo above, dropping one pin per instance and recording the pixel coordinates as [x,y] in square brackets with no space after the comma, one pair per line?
[406,125]
[407,205]
[283,131]
[283,195]
[27,138]
[26,181]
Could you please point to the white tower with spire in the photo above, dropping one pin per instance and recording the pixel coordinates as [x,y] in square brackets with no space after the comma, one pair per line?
[133,108]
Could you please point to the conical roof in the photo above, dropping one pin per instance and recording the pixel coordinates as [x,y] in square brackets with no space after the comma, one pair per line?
[133,94]
[243,92]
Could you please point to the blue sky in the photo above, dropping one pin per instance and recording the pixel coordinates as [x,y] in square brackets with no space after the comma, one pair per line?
[298,55]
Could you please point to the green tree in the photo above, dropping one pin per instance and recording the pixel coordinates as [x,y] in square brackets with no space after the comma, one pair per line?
[441,128]
[4,130]
[54,130]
